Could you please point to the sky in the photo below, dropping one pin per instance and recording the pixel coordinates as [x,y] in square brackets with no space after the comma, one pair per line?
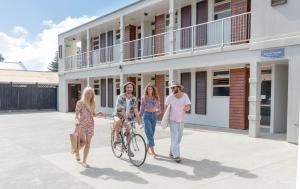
[29,28]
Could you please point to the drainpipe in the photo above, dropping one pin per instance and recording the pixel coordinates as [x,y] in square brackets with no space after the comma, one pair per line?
[298,169]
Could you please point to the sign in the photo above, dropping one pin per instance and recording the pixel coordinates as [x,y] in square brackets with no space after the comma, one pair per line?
[273,53]
[278,2]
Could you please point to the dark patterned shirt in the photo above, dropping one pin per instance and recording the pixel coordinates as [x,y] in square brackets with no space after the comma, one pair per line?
[121,105]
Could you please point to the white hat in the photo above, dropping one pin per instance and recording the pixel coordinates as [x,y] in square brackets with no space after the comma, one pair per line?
[175,84]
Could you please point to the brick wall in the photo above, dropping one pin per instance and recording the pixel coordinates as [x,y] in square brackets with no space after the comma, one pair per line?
[160,84]
[160,27]
[240,25]
[239,92]
[129,35]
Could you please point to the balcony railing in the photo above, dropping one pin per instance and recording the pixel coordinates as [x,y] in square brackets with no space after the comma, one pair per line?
[219,33]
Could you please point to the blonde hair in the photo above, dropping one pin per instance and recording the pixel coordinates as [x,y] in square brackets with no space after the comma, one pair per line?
[90,103]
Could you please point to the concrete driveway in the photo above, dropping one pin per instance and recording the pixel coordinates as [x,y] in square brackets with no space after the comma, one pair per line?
[34,154]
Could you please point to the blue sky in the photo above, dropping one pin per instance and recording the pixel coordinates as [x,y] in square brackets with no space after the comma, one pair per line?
[30,14]
[29,28]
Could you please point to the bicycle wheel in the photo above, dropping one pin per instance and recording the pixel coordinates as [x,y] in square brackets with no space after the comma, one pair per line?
[137,151]
[116,148]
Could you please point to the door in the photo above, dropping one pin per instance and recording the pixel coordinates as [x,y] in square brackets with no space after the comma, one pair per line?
[74,92]
[265,105]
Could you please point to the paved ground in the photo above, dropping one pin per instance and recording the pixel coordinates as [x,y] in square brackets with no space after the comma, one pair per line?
[34,154]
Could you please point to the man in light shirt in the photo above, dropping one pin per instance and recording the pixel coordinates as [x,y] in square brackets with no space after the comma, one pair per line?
[179,104]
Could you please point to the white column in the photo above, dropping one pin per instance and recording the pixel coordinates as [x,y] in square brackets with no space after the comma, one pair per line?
[122,20]
[142,36]
[106,90]
[194,12]
[171,25]
[123,80]
[173,75]
[254,99]
[193,92]
[62,95]
[88,47]
[89,82]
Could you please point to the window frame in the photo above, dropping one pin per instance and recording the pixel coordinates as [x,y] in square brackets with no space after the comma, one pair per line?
[213,77]
[223,11]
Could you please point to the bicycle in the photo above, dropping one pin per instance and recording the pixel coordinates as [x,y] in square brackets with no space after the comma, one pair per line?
[135,147]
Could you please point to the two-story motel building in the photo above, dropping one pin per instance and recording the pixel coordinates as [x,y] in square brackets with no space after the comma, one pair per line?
[239,60]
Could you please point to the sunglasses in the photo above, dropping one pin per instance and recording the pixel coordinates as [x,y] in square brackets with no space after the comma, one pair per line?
[173,88]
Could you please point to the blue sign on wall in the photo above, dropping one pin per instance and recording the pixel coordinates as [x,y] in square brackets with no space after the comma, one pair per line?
[273,53]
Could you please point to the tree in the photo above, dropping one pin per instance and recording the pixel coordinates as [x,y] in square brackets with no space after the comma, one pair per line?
[53,66]
[1,58]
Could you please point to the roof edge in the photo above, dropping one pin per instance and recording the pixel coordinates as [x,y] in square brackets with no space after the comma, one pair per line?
[101,17]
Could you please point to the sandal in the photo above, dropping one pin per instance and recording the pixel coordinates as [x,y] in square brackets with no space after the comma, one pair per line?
[178,159]
[77,157]
[85,165]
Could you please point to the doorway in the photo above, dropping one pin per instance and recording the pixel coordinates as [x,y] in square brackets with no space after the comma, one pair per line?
[74,93]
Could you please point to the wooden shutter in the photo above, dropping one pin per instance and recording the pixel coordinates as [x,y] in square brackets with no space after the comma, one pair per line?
[110,43]
[186,82]
[110,90]
[239,92]
[201,92]
[202,17]
[186,21]
[103,92]
[160,25]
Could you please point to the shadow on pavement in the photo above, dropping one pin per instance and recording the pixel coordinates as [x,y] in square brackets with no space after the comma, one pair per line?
[113,174]
[201,169]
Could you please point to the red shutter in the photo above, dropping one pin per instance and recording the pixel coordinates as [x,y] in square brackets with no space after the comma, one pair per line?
[239,92]
[129,35]
[160,85]
[240,25]
[160,27]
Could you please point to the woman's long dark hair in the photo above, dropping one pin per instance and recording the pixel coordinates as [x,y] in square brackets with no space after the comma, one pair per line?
[154,93]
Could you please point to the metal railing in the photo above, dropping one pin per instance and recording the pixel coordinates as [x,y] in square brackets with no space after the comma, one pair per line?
[218,33]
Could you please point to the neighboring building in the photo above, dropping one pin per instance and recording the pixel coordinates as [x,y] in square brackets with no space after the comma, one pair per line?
[12,66]
[238,60]
[27,90]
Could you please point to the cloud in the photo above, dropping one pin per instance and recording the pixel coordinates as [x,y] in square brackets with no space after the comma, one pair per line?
[37,53]
[19,31]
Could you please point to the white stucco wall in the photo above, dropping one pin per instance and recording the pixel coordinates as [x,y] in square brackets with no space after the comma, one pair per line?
[293,94]
[217,108]
[271,21]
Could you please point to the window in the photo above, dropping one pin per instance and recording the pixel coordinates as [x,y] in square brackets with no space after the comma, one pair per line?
[222,9]
[278,2]
[96,87]
[118,37]
[95,42]
[60,51]
[167,88]
[221,83]
[118,91]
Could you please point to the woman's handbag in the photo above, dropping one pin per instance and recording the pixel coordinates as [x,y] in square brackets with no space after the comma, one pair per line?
[74,139]
[166,118]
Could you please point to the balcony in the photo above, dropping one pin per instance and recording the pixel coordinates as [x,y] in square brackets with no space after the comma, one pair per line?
[228,31]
